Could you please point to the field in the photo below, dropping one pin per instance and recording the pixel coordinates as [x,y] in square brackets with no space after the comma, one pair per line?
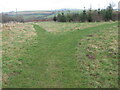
[39,14]
[61,55]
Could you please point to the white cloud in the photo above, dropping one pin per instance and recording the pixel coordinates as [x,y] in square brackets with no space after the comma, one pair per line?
[11,5]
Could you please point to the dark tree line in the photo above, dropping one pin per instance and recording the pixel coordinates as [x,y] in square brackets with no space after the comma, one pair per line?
[88,15]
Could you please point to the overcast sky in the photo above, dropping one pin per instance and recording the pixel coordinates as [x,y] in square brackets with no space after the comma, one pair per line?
[22,5]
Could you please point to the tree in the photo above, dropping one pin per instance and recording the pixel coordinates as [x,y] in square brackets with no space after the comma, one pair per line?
[84,11]
[109,13]
[6,18]
[69,17]
[99,11]
[89,16]
[55,18]
[83,16]
[61,17]
[20,19]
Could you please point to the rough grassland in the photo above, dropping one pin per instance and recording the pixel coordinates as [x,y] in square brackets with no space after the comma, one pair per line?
[83,58]
[63,27]
[12,47]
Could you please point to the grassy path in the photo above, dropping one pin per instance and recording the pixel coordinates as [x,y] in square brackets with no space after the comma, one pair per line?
[51,61]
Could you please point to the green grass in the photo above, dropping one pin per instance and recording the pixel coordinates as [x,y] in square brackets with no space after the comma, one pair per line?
[58,61]
[97,55]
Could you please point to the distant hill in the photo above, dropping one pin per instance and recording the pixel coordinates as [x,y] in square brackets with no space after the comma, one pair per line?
[31,14]
[40,14]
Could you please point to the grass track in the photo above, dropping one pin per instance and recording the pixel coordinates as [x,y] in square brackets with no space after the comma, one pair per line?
[51,61]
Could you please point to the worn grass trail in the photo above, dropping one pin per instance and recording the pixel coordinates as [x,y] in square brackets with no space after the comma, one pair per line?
[51,62]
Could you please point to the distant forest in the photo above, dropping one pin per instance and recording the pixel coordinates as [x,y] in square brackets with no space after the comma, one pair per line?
[88,15]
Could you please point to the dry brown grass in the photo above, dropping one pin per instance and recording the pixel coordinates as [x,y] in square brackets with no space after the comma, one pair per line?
[17,30]
[63,27]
